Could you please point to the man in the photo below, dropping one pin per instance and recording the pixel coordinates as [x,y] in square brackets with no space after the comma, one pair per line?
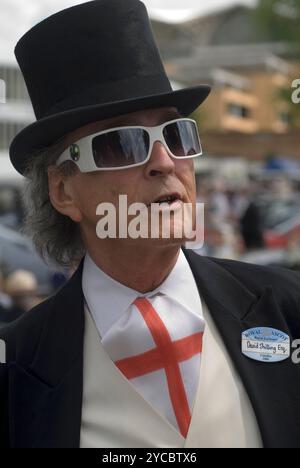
[142,346]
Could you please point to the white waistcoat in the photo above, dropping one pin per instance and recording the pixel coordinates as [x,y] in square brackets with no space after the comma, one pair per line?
[115,415]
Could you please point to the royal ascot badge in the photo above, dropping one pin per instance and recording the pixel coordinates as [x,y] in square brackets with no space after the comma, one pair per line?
[266,344]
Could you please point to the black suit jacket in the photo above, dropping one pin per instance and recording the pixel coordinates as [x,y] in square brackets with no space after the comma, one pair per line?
[41,384]
[10,314]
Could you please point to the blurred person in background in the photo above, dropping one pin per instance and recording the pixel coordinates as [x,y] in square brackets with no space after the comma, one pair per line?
[240,201]
[222,237]
[251,220]
[22,287]
[252,227]
[218,203]
[282,188]
[5,300]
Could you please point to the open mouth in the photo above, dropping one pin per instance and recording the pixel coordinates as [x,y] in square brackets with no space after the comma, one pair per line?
[169,199]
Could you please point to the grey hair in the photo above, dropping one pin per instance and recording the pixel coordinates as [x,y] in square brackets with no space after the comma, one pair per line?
[54,235]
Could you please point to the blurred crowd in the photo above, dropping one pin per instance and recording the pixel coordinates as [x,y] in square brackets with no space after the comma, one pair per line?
[260,217]
[21,290]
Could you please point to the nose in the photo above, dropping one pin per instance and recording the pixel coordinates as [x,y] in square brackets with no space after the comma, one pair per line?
[160,162]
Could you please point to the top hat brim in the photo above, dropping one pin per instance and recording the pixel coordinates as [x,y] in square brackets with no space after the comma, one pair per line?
[46,131]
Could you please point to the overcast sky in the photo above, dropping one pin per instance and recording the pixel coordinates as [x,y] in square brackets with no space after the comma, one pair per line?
[17,16]
[179,10]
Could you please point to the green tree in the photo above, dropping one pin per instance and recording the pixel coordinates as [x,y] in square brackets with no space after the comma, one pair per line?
[278,21]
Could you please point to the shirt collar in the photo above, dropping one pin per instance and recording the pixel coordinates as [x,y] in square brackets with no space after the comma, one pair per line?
[108,300]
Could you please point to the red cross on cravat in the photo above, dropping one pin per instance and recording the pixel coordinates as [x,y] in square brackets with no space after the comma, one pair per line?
[167,355]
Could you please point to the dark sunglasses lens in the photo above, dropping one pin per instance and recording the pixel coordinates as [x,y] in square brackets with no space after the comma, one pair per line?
[182,138]
[120,148]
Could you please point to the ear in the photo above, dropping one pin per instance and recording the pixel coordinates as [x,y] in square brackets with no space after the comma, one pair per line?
[62,194]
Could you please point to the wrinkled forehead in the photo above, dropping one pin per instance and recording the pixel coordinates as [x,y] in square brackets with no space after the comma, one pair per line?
[147,118]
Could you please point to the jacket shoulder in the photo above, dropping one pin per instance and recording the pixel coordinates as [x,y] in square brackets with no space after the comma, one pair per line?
[20,340]
[257,277]
[24,333]
[284,283]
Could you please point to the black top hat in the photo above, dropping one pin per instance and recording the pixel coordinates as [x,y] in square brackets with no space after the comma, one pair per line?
[90,62]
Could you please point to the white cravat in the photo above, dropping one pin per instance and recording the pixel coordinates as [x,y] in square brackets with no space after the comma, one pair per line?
[125,334]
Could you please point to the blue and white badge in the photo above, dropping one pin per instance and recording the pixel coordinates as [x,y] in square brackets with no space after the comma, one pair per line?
[266,344]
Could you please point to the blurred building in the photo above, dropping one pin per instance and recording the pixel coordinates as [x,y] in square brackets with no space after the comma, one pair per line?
[15,113]
[246,114]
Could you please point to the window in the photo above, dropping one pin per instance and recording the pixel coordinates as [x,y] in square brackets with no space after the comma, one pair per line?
[15,85]
[284,117]
[8,131]
[238,111]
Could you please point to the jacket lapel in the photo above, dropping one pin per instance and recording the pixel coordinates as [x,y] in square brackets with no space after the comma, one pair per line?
[46,395]
[235,309]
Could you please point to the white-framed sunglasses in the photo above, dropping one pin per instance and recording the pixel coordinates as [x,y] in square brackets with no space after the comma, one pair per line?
[127,147]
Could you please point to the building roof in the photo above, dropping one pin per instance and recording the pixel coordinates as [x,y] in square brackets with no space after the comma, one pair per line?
[205,60]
